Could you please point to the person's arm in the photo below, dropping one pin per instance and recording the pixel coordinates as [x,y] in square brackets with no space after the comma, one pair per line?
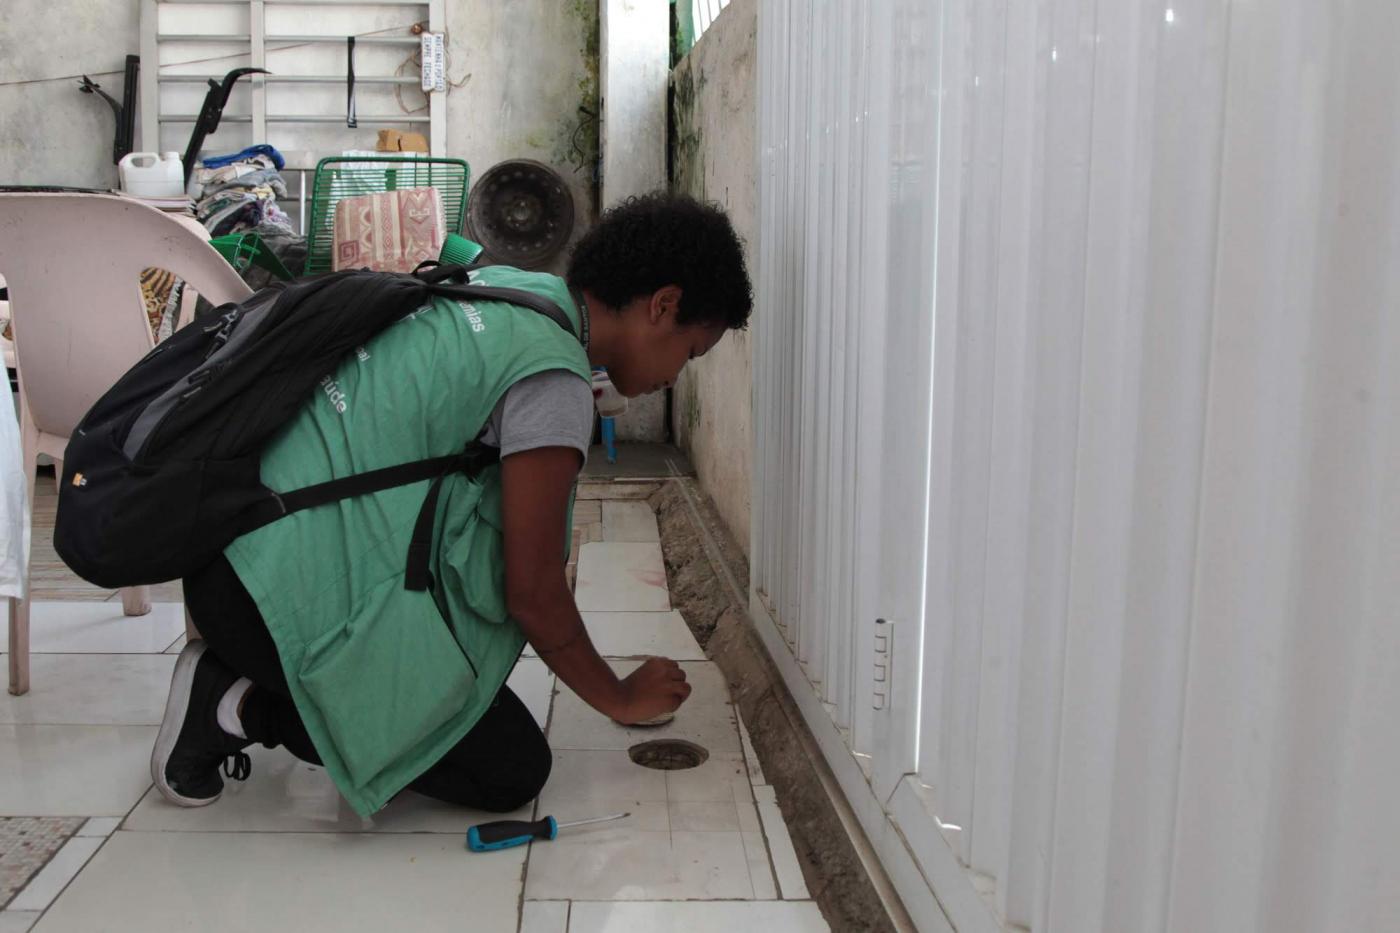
[535,486]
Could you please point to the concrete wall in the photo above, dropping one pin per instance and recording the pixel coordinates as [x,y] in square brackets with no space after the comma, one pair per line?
[636,53]
[49,132]
[715,158]
[520,71]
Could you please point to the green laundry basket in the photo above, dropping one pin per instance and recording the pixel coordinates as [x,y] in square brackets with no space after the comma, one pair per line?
[243,250]
[341,177]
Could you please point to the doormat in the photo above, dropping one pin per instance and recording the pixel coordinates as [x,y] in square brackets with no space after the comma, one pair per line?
[26,845]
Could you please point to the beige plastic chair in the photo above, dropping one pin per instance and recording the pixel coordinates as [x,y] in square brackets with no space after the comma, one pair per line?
[73,264]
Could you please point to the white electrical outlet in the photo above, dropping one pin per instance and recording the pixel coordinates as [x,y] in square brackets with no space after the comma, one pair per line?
[884,646]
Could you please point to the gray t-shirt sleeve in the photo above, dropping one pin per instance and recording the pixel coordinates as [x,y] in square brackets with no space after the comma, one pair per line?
[549,409]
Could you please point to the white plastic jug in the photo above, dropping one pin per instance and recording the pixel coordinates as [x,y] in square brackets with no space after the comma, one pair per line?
[152,175]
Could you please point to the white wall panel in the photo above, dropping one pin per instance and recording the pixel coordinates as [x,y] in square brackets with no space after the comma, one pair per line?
[1078,321]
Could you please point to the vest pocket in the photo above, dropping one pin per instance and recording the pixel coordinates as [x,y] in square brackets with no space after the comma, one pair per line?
[384,683]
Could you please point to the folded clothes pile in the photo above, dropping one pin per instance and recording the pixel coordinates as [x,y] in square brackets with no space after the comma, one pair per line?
[239,192]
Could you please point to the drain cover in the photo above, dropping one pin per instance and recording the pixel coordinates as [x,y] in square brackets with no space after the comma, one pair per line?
[669,755]
[521,211]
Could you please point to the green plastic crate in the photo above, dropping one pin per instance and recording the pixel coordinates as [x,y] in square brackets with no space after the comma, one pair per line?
[341,177]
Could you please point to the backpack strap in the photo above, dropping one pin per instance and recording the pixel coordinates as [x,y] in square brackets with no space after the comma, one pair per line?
[439,281]
[475,458]
[472,461]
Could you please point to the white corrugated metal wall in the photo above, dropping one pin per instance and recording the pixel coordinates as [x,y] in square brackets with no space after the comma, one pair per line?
[1074,359]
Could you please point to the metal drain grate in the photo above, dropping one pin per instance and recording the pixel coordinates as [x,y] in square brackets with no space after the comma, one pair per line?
[669,755]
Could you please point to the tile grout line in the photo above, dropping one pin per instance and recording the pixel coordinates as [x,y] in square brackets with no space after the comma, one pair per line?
[767,846]
[87,861]
[53,855]
[101,654]
[535,811]
[105,839]
[749,764]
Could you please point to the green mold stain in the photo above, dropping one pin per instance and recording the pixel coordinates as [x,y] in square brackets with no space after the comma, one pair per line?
[578,144]
[687,143]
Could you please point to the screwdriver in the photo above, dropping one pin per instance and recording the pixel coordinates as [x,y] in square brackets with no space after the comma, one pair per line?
[504,834]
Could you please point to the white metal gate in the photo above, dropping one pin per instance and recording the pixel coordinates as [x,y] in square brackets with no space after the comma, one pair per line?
[1074,359]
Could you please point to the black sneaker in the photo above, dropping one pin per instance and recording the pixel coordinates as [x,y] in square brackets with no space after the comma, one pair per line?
[190,746]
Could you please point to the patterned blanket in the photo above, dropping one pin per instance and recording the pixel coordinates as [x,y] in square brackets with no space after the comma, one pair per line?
[389,232]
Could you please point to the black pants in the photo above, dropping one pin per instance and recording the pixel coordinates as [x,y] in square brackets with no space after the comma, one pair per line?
[500,765]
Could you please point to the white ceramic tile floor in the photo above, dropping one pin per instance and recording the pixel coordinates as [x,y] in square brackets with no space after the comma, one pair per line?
[611,861]
[590,782]
[100,826]
[100,628]
[284,794]
[633,634]
[39,893]
[73,770]
[585,784]
[683,840]
[17,921]
[79,745]
[629,521]
[706,718]
[721,778]
[92,689]
[628,634]
[724,917]
[533,683]
[289,881]
[765,885]
[614,577]
[544,917]
[791,884]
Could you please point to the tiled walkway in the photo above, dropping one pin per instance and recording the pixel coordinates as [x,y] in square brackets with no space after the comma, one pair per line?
[704,850]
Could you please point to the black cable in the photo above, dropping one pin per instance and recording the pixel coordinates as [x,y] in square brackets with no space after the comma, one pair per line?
[350,120]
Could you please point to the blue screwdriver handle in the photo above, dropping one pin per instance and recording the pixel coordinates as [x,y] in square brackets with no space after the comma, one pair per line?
[506,834]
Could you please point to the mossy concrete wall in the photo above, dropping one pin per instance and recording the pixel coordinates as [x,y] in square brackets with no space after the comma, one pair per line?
[526,76]
[714,157]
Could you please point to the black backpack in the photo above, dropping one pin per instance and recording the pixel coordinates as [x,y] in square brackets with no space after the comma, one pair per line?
[162,474]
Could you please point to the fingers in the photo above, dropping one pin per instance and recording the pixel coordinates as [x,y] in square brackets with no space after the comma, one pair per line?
[676,694]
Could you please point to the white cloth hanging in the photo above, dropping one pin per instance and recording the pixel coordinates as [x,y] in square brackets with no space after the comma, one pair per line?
[14,503]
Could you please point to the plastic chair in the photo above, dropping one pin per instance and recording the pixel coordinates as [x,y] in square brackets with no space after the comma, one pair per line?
[73,265]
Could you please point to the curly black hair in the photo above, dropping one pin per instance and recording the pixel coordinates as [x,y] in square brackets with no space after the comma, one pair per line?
[659,239]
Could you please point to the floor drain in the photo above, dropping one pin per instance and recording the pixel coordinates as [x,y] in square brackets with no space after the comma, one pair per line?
[669,755]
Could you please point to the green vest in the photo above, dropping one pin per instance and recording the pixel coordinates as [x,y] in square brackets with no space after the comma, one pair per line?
[383,684]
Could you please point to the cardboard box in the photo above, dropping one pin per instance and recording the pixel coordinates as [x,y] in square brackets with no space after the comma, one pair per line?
[395,141]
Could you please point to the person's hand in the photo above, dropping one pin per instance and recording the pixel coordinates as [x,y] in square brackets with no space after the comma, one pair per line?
[654,689]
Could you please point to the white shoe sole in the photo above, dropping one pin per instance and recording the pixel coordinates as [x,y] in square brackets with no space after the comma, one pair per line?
[176,705]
